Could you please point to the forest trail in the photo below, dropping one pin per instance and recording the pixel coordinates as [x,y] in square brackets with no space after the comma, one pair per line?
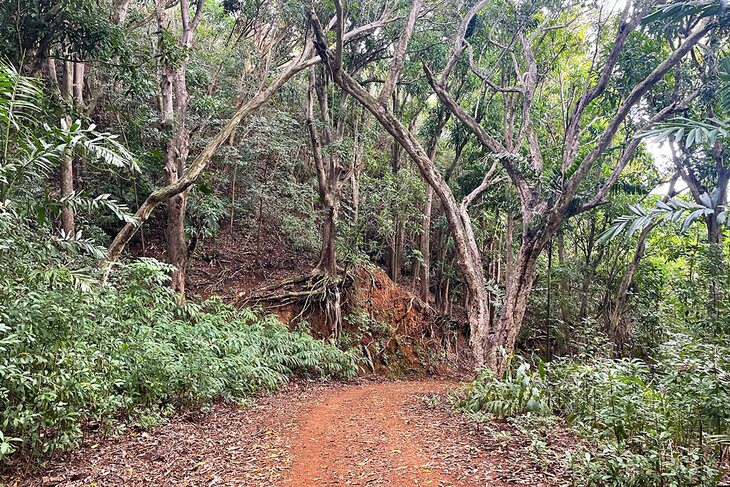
[363,436]
[364,433]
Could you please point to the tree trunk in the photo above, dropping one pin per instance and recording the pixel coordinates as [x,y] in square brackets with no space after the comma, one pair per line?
[175,99]
[617,333]
[424,268]
[176,152]
[355,182]
[175,230]
[469,259]
[68,224]
[589,269]
[119,11]
[330,172]
[425,247]
[328,253]
[714,230]
[509,253]
[67,187]
[79,70]
[395,252]
[519,284]
[395,247]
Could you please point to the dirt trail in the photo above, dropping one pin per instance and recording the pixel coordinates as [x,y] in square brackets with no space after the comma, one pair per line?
[363,436]
[371,433]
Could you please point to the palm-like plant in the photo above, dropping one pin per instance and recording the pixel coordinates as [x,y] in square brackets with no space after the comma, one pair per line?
[32,150]
[688,8]
[674,211]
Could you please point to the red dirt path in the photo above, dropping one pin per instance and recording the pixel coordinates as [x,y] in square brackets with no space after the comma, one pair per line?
[369,433]
[362,436]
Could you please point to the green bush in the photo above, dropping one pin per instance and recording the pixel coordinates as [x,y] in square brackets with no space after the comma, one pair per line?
[518,391]
[647,425]
[124,350]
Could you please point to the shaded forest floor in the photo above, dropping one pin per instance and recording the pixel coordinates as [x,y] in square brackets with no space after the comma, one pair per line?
[364,433]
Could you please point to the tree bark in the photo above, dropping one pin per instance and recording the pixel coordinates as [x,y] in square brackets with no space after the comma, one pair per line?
[509,253]
[175,99]
[68,220]
[425,248]
[424,268]
[331,173]
[68,223]
[519,284]
[617,333]
[119,11]
[328,252]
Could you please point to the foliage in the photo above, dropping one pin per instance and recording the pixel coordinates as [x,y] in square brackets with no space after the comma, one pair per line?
[675,210]
[75,351]
[32,151]
[690,131]
[650,425]
[518,391]
[70,358]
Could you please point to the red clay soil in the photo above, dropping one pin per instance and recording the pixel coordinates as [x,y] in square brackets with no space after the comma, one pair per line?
[362,434]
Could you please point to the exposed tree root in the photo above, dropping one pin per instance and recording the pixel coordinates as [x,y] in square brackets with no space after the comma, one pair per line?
[328,293]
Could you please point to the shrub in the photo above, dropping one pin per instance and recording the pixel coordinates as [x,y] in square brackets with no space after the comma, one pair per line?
[125,350]
[649,425]
[518,391]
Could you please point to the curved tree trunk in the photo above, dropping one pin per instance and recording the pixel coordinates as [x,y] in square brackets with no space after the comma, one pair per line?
[469,259]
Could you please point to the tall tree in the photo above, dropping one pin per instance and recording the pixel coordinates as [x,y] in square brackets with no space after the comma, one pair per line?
[331,169]
[174,106]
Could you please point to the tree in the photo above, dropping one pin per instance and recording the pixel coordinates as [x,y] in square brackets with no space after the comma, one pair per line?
[542,212]
[174,105]
[330,168]
[300,62]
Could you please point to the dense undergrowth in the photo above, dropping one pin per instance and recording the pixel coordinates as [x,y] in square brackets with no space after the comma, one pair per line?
[77,353]
[83,350]
[664,422]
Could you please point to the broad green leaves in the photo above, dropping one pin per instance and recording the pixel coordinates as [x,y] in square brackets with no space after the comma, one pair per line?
[673,211]
[674,11]
[74,350]
[32,150]
[691,132]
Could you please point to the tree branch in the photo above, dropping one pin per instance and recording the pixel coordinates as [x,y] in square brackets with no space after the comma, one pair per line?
[628,152]
[399,54]
[631,100]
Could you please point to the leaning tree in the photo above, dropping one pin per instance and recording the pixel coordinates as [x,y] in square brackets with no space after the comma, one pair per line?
[300,58]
